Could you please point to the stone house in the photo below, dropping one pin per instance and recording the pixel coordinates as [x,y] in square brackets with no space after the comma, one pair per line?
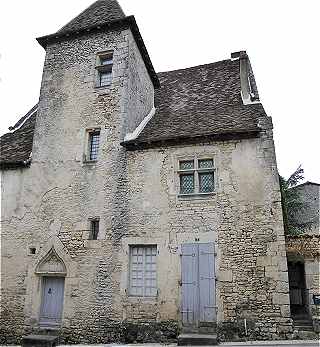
[303,252]
[138,204]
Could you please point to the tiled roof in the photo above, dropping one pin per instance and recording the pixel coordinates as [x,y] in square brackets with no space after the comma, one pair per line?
[100,12]
[201,100]
[16,147]
[191,103]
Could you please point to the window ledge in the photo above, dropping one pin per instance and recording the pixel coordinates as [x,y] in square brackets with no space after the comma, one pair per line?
[107,86]
[146,299]
[89,162]
[196,196]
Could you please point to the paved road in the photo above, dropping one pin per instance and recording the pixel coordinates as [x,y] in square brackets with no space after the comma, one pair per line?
[309,343]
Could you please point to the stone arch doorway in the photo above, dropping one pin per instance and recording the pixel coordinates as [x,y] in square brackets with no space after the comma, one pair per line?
[299,298]
[52,271]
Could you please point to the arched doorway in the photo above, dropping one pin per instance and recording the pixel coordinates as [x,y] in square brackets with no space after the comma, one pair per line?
[52,271]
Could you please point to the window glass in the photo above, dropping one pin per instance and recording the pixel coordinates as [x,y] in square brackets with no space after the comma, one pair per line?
[186,183]
[106,60]
[186,165]
[143,270]
[206,182]
[205,163]
[94,139]
[94,229]
[105,78]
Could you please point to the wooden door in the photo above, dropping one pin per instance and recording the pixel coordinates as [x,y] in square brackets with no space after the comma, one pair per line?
[197,283]
[52,301]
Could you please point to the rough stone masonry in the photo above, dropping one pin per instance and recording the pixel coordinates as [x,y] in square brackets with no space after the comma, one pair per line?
[133,190]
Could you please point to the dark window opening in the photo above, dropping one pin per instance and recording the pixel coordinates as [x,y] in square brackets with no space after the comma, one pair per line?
[94,229]
[104,67]
[94,139]
[32,250]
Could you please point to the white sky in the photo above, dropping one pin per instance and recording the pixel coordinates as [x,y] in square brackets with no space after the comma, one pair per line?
[281,38]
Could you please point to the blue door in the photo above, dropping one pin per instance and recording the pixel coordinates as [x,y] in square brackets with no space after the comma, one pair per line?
[198,283]
[52,301]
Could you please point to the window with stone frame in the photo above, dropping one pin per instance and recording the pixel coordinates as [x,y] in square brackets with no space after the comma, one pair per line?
[196,176]
[93,143]
[143,271]
[104,69]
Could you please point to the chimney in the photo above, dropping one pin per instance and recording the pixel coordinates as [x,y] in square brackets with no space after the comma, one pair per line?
[249,91]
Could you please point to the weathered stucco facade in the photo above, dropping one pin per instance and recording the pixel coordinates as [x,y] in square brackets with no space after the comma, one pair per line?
[46,209]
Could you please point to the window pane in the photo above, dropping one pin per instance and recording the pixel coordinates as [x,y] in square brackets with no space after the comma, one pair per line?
[206,182]
[143,273]
[186,165]
[106,60]
[94,139]
[94,229]
[205,163]
[186,184]
[105,78]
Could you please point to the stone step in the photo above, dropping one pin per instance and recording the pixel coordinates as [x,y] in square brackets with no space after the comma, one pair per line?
[303,327]
[39,341]
[303,322]
[197,339]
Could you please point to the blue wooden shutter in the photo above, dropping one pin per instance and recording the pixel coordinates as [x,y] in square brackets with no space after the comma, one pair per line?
[207,282]
[189,279]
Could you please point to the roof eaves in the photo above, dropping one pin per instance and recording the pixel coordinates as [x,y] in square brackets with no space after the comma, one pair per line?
[171,141]
[127,22]
[23,119]
[7,165]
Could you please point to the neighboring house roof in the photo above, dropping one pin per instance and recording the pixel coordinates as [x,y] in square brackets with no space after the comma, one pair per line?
[202,101]
[100,12]
[192,103]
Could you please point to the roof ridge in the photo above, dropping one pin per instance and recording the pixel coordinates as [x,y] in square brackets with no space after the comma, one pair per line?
[197,66]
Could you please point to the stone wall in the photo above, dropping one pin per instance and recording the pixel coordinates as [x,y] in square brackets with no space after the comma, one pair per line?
[308,218]
[135,196]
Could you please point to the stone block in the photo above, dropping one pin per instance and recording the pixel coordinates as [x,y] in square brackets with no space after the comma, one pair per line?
[225,276]
[285,311]
[280,299]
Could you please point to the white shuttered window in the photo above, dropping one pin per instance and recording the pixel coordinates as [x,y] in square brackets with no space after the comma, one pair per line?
[143,270]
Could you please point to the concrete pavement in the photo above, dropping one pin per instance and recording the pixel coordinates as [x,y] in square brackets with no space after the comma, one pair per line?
[285,343]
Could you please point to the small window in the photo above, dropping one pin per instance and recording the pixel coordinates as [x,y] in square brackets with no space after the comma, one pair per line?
[143,270]
[104,69]
[32,250]
[196,176]
[94,229]
[93,144]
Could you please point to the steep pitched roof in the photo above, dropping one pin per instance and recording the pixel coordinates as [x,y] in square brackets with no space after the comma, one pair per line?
[100,12]
[102,15]
[193,103]
[16,147]
[200,101]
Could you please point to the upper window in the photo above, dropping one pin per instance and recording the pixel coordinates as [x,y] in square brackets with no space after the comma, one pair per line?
[104,68]
[93,144]
[196,176]
[143,270]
